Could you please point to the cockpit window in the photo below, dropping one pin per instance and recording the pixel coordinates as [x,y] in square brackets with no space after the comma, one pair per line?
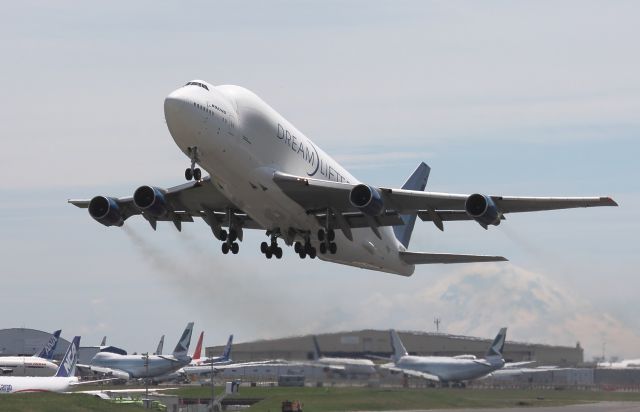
[204,86]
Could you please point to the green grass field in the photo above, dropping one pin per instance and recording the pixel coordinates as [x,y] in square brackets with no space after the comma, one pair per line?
[333,399]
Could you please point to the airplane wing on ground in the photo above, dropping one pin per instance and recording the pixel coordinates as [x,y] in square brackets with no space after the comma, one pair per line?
[512,365]
[115,373]
[411,372]
[342,199]
[176,204]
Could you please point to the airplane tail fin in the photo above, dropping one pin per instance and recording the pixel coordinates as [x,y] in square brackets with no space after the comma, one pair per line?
[67,366]
[497,346]
[47,350]
[185,340]
[417,181]
[198,351]
[160,346]
[226,355]
[396,344]
[316,348]
[104,341]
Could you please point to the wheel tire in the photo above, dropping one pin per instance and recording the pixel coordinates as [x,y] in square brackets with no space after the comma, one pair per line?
[223,235]
[331,235]
[333,248]
[268,254]
[279,253]
[233,235]
[188,174]
[235,248]
[323,248]
[263,247]
[312,253]
[302,254]
[297,247]
[321,235]
[197,173]
[225,248]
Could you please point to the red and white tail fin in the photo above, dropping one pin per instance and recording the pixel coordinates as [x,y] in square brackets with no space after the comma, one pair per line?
[196,353]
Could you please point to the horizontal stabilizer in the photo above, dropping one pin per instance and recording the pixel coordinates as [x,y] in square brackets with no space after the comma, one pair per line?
[419,258]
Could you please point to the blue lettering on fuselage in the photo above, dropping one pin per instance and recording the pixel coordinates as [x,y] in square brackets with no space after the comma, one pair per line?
[309,153]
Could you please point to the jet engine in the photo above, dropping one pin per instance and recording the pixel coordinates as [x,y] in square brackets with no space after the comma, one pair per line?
[368,199]
[105,210]
[483,210]
[150,200]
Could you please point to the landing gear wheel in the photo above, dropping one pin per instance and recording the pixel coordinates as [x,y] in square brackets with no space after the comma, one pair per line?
[225,248]
[197,173]
[312,253]
[333,248]
[321,235]
[188,174]
[297,247]
[233,235]
[223,235]
[302,254]
[268,254]
[264,247]
[235,247]
[278,253]
[331,235]
[323,248]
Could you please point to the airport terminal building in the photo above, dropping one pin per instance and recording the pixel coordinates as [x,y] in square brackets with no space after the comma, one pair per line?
[376,342]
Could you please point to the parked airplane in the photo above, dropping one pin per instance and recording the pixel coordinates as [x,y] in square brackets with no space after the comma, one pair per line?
[39,364]
[623,364]
[143,366]
[199,366]
[351,366]
[265,174]
[61,382]
[445,369]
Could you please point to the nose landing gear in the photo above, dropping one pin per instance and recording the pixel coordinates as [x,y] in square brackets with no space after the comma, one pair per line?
[193,172]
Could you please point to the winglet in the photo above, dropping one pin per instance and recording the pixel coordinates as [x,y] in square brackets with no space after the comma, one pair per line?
[67,366]
[417,181]
[47,350]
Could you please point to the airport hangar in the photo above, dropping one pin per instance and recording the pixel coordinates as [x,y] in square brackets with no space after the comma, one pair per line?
[377,343]
[26,342]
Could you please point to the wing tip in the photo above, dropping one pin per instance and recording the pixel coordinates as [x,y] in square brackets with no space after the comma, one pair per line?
[608,201]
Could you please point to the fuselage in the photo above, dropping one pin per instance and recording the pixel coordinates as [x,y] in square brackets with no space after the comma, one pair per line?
[16,384]
[451,369]
[27,366]
[137,366]
[351,366]
[242,141]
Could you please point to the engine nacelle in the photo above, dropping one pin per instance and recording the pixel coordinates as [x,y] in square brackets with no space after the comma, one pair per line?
[105,210]
[150,200]
[368,199]
[483,210]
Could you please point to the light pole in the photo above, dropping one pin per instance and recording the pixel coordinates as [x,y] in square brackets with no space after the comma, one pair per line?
[145,356]
[213,393]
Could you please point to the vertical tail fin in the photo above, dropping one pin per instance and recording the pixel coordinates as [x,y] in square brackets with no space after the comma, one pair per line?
[104,341]
[497,346]
[183,344]
[47,350]
[67,366]
[160,346]
[417,181]
[317,354]
[198,351]
[396,344]
[226,355]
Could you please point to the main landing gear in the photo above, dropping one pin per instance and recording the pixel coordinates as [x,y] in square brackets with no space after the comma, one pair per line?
[193,172]
[327,241]
[230,244]
[270,250]
[305,249]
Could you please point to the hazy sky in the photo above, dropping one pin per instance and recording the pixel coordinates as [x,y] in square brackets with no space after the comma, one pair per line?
[520,98]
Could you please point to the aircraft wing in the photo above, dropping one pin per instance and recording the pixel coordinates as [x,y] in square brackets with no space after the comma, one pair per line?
[318,196]
[116,373]
[181,204]
[411,372]
[513,365]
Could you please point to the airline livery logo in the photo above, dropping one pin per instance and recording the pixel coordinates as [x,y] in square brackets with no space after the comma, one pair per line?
[309,153]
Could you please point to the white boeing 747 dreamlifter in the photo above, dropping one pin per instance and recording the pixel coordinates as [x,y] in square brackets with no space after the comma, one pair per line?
[266,174]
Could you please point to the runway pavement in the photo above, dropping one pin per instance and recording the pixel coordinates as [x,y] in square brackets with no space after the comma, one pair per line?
[590,407]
